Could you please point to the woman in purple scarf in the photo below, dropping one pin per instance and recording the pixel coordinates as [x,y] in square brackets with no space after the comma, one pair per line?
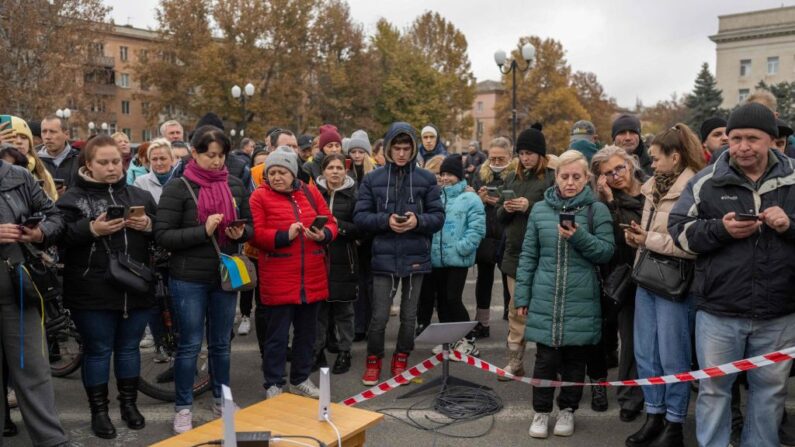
[185,229]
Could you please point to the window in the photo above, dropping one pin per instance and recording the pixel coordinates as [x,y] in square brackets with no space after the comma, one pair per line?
[125,107]
[143,55]
[124,80]
[480,106]
[745,67]
[123,54]
[744,92]
[772,65]
[146,135]
[127,132]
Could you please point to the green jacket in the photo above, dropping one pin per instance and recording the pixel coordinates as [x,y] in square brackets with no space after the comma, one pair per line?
[532,188]
[557,277]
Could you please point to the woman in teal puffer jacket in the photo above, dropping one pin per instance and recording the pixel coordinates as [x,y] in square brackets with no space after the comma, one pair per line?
[557,281]
[454,246]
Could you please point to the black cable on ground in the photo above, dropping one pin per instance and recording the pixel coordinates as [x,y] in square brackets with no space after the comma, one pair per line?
[456,405]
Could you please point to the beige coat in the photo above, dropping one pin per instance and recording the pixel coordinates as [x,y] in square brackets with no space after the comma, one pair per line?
[658,239]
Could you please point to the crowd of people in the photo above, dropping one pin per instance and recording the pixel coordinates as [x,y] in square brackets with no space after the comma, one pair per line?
[655,256]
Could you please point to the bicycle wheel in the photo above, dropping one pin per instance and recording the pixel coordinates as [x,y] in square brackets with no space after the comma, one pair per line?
[65,350]
[157,373]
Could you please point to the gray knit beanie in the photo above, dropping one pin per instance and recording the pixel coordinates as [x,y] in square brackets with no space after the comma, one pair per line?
[285,157]
[360,140]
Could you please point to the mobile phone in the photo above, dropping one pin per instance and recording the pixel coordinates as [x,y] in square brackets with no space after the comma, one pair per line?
[319,222]
[625,226]
[59,182]
[137,211]
[5,119]
[567,220]
[493,191]
[508,194]
[115,212]
[744,217]
[33,221]
[401,219]
[239,222]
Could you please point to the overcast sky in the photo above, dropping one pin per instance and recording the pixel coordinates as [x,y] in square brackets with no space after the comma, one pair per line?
[638,49]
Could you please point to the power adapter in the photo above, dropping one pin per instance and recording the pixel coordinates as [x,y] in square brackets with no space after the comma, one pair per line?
[253,438]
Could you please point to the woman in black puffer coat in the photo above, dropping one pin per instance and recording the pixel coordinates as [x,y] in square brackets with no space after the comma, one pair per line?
[339,190]
[110,317]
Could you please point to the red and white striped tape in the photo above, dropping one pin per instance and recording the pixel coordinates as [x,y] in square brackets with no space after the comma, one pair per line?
[707,373]
[383,387]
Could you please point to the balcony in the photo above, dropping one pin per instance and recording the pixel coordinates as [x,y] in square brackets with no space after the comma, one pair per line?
[101,89]
[104,61]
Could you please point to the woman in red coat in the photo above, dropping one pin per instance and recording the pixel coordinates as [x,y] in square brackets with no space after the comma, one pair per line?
[292,269]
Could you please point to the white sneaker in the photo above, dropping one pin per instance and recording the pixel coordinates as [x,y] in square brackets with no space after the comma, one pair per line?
[161,356]
[147,341]
[218,409]
[565,424]
[437,349]
[306,388]
[183,421]
[273,391]
[245,326]
[540,426]
[12,398]
[466,346]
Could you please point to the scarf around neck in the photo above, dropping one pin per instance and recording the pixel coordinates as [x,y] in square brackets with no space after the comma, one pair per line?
[215,197]
[662,184]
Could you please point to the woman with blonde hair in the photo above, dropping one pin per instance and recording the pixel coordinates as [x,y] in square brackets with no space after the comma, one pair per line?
[664,324]
[568,234]
[161,165]
[617,181]
[22,138]
[123,142]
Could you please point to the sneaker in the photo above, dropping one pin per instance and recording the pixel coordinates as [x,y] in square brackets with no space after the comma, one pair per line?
[245,326]
[273,391]
[540,426]
[183,421]
[372,371]
[399,364]
[437,349]
[466,346]
[479,331]
[12,398]
[161,356]
[394,311]
[147,341]
[218,409]
[306,389]
[565,424]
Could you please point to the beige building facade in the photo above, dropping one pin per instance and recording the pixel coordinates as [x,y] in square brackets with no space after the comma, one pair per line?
[752,47]
[483,111]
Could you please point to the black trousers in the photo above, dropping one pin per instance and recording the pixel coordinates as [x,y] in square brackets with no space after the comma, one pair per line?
[445,288]
[484,284]
[566,363]
[303,319]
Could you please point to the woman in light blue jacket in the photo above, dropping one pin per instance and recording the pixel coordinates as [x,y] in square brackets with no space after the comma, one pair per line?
[454,246]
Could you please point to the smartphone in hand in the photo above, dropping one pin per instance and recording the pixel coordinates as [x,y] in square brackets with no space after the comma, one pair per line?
[319,223]
[567,220]
[115,212]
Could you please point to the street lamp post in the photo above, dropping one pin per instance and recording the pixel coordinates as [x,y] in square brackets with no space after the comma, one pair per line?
[104,127]
[64,114]
[242,94]
[528,54]
[91,128]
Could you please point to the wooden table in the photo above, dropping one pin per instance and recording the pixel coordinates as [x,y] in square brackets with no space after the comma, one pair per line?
[288,414]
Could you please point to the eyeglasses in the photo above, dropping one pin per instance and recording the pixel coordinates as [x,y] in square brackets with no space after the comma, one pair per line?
[617,172]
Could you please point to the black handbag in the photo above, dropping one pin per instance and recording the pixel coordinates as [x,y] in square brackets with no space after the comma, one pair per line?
[126,272]
[667,276]
[618,286]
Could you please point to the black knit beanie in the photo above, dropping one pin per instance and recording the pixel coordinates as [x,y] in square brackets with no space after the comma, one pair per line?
[625,122]
[532,140]
[753,116]
[711,124]
[453,164]
[210,119]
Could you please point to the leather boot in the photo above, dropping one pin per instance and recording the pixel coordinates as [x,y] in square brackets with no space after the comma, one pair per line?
[654,425]
[128,395]
[671,436]
[515,362]
[98,401]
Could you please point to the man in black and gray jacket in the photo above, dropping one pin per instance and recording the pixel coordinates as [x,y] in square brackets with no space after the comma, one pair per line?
[737,217]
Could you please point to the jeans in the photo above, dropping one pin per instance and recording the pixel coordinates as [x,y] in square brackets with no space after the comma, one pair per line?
[566,363]
[303,319]
[723,339]
[384,290]
[193,303]
[662,347]
[106,332]
[629,397]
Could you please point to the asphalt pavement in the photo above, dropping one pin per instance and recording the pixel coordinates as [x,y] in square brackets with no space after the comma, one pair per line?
[508,428]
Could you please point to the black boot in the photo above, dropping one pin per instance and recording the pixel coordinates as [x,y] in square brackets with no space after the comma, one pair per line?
[671,436]
[343,363]
[651,429]
[128,395]
[98,401]
[10,428]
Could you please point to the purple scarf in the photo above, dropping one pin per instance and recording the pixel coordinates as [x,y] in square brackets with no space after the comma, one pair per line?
[215,197]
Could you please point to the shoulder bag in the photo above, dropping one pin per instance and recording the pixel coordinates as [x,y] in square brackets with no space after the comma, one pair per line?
[666,276]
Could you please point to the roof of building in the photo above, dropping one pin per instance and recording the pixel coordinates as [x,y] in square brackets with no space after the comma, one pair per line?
[755,24]
[489,86]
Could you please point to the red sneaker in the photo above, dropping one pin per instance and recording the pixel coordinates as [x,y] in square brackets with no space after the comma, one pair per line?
[372,371]
[399,363]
